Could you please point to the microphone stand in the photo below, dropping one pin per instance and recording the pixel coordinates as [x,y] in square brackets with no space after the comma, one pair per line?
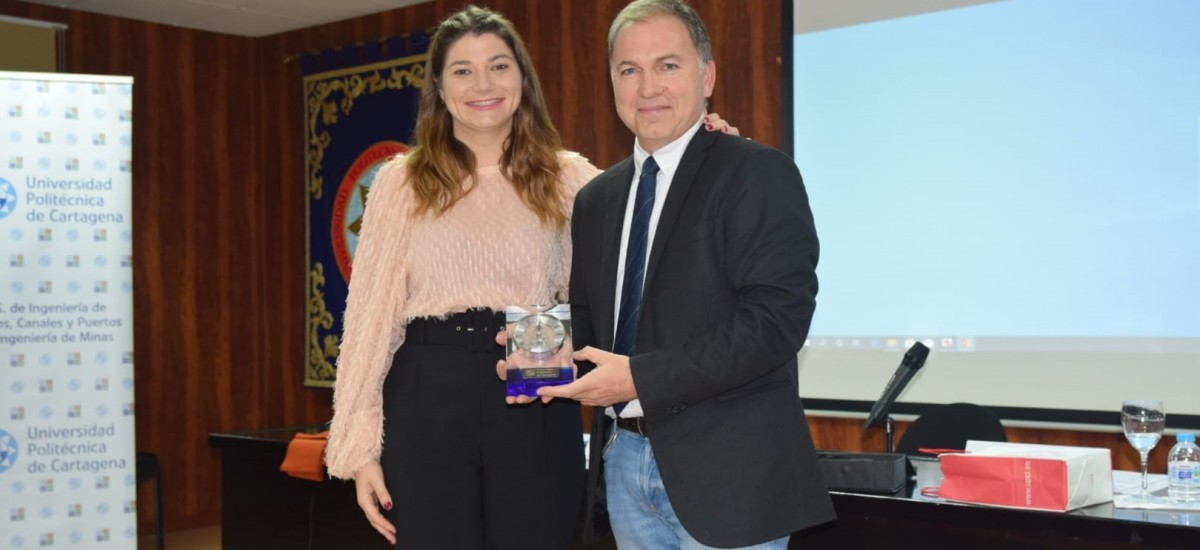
[889,430]
[913,360]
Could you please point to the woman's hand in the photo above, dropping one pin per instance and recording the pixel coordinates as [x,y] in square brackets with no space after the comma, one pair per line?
[714,123]
[372,495]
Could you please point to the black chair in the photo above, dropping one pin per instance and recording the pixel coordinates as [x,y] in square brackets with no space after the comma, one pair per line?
[949,427]
[147,470]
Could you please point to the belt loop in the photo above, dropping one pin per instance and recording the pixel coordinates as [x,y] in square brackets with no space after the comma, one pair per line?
[479,338]
[636,425]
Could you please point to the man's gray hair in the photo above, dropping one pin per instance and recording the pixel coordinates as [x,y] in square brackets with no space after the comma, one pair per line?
[641,10]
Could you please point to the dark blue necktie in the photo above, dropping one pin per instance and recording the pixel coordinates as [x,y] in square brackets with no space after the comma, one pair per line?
[635,264]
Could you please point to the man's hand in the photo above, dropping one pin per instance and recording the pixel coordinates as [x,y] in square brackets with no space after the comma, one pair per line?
[610,382]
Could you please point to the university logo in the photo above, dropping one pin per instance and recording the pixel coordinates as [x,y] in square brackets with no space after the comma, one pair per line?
[351,199]
[8,198]
[9,451]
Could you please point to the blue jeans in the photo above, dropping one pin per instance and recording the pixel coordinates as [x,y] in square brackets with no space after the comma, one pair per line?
[638,508]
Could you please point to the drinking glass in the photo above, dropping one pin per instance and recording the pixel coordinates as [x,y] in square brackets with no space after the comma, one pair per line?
[1143,420]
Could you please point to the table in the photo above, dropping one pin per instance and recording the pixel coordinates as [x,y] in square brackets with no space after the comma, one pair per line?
[907,521]
[263,508]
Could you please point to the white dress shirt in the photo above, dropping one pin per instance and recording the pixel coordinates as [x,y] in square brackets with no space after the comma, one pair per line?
[668,158]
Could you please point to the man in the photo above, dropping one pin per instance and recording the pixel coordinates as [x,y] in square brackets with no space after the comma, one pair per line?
[704,288]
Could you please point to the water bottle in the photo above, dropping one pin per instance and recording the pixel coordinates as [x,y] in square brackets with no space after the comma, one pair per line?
[1183,470]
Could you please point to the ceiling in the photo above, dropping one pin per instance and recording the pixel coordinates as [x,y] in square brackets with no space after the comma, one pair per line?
[240,17]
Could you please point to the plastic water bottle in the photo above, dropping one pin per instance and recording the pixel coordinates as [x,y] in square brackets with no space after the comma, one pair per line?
[1183,470]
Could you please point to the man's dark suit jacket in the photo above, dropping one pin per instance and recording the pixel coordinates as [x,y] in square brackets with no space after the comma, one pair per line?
[729,293]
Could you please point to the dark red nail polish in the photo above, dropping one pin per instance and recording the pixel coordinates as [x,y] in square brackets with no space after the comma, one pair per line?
[387,506]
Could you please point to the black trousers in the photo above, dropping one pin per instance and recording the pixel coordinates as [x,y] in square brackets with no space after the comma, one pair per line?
[464,469]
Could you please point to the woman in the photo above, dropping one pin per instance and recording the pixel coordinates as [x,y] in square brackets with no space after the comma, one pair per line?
[472,219]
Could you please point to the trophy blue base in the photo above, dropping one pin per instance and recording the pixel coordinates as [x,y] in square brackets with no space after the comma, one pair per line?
[527,381]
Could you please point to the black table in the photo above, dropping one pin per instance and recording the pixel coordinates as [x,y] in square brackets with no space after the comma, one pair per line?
[907,521]
[263,508]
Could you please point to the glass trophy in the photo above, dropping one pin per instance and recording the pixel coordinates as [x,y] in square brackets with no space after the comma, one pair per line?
[539,348]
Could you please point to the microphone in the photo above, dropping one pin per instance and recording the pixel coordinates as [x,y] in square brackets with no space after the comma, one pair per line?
[913,360]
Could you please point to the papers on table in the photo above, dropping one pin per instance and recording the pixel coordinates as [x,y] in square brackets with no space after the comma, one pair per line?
[1130,483]
[1127,486]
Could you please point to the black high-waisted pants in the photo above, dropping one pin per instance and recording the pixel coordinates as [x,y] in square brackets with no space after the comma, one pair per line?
[464,469]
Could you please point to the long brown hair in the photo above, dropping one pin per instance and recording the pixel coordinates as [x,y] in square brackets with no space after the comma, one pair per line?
[439,164]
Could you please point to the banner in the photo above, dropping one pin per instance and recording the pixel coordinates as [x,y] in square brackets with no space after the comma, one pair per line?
[361,106]
[67,466]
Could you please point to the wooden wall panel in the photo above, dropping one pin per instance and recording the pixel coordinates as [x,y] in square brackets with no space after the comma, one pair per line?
[218,307]
[847,434]
[219,212]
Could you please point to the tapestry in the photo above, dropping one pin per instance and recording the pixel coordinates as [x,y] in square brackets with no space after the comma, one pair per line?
[360,110]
